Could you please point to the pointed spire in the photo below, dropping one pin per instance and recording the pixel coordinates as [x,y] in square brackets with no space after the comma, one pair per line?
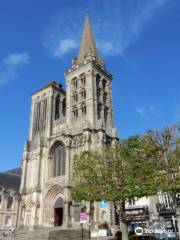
[88,46]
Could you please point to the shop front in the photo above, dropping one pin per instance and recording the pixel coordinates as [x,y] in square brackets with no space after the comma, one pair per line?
[138,223]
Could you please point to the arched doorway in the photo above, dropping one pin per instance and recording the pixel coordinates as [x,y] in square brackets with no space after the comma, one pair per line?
[58,212]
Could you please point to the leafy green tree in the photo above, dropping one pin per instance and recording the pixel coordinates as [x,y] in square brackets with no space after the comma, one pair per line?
[116,173]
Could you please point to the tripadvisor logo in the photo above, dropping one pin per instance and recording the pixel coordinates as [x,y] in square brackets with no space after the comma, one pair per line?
[139,231]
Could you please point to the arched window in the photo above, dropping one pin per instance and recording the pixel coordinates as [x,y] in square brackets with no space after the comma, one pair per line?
[9,202]
[39,115]
[58,160]
[44,114]
[38,107]
[57,105]
[36,116]
[83,79]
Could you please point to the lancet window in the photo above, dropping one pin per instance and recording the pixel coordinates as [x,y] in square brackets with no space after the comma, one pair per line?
[57,107]
[58,160]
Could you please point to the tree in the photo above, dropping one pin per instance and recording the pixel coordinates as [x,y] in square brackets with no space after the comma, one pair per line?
[167,142]
[116,173]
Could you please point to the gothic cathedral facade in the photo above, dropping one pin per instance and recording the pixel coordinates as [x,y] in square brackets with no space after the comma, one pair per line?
[64,123]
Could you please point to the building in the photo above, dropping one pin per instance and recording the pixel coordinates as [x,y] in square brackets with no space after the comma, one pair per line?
[9,199]
[63,123]
[154,212]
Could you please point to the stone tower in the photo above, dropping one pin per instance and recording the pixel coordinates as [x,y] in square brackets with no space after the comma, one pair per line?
[64,123]
[89,97]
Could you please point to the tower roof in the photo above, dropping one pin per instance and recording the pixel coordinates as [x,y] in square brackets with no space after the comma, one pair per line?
[88,46]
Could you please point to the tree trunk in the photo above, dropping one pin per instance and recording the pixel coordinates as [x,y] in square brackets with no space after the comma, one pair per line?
[124,226]
[124,230]
[122,221]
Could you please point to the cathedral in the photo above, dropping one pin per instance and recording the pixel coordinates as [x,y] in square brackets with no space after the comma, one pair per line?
[63,123]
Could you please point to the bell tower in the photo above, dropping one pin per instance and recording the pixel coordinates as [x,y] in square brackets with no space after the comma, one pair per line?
[89,98]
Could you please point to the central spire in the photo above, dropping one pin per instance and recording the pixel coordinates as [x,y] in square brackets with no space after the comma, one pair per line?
[88,46]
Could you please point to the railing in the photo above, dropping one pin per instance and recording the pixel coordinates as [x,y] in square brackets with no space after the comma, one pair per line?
[162,209]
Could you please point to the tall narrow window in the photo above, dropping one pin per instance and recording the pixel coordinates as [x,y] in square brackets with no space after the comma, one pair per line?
[57,105]
[83,94]
[105,97]
[58,160]
[38,107]
[98,77]
[104,84]
[131,201]
[64,107]
[39,115]
[105,114]
[98,94]
[0,200]
[44,113]
[75,113]
[167,201]
[84,110]
[75,82]
[9,202]
[83,79]
[75,97]
[99,111]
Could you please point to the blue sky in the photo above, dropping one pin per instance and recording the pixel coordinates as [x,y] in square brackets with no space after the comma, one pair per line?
[138,39]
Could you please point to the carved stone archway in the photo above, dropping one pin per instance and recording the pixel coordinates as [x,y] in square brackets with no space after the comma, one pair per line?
[54,198]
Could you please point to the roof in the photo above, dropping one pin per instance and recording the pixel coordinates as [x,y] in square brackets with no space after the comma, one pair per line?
[88,46]
[53,84]
[15,171]
[11,179]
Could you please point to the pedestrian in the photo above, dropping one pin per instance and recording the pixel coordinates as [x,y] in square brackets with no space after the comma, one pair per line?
[13,230]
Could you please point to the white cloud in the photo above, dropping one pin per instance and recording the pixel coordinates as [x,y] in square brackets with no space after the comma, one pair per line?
[114,30]
[106,47]
[64,46]
[123,31]
[140,111]
[145,111]
[10,65]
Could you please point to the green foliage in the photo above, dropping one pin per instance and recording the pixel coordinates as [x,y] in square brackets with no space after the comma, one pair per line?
[115,173]
[136,167]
